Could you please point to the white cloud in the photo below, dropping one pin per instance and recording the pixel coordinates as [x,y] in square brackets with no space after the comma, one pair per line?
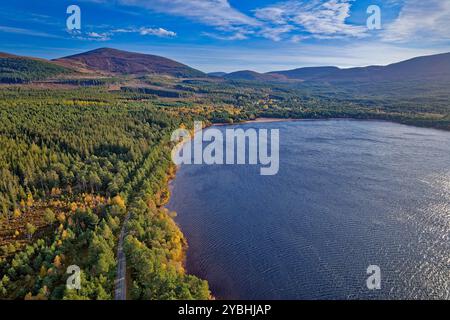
[159,32]
[420,20]
[275,33]
[319,18]
[123,30]
[235,36]
[272,14]
[89,36]
[105,36]
[297,38]
[98,36]
[217,13]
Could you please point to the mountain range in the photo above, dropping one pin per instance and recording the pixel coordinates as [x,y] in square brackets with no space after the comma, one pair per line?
[106,61]
[434,66]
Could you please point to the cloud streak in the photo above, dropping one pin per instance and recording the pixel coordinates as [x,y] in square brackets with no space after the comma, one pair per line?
[420,20]
[320,19]
[218,13]
[105,36]
[145,31]
[27,32]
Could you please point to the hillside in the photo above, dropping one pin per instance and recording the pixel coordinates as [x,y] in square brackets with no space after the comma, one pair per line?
[435,67]
[253,76]
[308,73]
[122,62]
[217,74]
[15,69]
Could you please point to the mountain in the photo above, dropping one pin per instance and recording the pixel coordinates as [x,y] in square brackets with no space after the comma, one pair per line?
[8,55]
[17,69]
[113,61]
[217,74]
[308,73]
[436,67]
[253,76]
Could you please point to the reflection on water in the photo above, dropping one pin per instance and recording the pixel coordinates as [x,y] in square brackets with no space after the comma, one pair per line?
[349,194]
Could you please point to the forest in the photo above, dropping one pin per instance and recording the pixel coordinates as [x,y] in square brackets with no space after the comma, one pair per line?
[73,164]
[17,70]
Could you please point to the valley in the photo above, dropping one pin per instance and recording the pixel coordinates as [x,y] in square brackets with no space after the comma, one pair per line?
[85,142]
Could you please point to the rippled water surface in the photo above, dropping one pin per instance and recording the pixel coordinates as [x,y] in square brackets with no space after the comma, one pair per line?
[349,194]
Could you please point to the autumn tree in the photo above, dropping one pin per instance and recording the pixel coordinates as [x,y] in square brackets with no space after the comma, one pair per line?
[31,229]
[49,216]
[118,201]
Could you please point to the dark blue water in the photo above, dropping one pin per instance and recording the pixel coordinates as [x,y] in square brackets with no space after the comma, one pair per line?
[349,194]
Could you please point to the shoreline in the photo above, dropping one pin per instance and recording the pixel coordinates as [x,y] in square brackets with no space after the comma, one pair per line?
[258,120]
[274,120]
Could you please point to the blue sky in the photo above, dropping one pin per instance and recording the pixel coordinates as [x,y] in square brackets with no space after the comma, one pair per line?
[229,35]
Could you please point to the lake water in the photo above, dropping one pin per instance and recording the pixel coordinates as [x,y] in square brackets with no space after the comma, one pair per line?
[348,194]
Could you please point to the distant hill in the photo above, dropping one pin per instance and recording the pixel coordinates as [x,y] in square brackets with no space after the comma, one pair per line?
[217,74]
[8,55]
[16,69]
[435,67]
[308,73]
[122,62]
[253,76]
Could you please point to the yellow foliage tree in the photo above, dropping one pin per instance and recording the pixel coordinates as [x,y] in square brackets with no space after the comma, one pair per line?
[57,262]
[17,213]
[43,271]
[73,207]
[118,201]
[56,191]
[61,217]
[88,199]
[30,200]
